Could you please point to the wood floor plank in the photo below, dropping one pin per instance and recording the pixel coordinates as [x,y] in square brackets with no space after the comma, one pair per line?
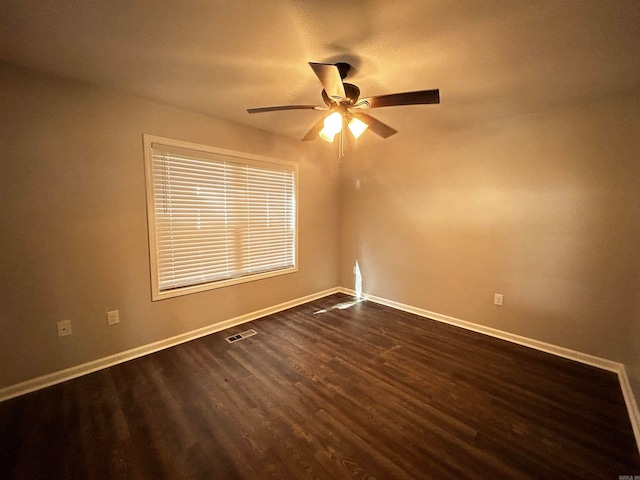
[332,389]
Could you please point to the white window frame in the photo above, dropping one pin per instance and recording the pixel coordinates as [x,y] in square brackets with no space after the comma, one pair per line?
[205,152]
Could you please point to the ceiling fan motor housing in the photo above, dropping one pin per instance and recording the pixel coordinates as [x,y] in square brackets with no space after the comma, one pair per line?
[350,90]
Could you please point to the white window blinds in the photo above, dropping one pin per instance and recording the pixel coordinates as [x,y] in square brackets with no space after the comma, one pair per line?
[219,218]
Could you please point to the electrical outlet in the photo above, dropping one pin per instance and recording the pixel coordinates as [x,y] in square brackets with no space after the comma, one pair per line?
[113,317]
[64,328]
[497,299]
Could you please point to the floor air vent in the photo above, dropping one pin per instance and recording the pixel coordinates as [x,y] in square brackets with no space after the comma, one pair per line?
[241,336]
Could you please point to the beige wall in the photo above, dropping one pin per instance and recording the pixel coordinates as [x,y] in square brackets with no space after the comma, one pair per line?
[74,232]
[544,209]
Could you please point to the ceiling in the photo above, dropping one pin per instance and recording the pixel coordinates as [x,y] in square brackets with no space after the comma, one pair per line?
[489,58]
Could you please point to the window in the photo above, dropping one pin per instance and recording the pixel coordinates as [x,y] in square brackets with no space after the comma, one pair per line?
[217,217]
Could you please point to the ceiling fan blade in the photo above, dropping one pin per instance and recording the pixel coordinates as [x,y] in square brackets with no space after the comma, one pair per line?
[375,125]
[285,107]
[329,76]
[315,130]
[407,98]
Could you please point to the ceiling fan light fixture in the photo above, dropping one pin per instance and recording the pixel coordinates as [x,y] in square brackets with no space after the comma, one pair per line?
[333,123]
[326,136]
[357,127]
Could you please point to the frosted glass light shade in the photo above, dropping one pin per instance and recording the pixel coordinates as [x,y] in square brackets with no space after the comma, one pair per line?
[326,136]
[333,123]
[357,127]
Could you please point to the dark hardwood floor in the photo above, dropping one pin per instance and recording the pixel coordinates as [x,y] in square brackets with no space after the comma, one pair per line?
[360,392]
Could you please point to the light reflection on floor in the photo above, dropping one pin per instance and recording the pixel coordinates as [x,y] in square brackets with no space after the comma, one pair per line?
[340,306]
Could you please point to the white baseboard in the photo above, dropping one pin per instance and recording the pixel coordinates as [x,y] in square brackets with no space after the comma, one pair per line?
[95,365]
[629,398]
[632,406]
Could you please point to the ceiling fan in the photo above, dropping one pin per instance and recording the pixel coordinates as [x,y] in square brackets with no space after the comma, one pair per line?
[346,107]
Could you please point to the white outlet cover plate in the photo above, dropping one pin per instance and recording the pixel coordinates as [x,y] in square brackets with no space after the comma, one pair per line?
[113,317]
[64,328]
